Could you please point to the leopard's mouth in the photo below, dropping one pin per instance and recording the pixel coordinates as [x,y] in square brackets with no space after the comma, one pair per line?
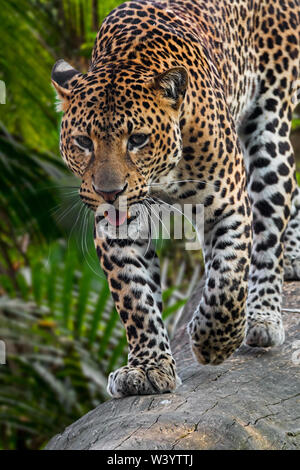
[118,217]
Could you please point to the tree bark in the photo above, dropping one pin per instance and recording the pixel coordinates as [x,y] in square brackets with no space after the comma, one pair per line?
[249,402]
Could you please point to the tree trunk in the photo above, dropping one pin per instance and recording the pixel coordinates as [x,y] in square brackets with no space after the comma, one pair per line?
[249,402]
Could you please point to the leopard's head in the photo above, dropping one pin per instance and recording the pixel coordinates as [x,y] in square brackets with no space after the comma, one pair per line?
[120,129]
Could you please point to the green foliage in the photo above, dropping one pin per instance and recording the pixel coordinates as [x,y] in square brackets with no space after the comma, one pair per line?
[295,124]
[63,338]
[34,34]
[25,65]
[27,187]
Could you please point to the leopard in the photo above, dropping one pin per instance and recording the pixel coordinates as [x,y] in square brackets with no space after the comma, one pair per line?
[191,102]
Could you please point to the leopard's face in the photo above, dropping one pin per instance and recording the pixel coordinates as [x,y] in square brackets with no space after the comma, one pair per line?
[120,130]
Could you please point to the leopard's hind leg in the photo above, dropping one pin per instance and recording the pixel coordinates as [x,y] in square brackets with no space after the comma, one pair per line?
[270,167]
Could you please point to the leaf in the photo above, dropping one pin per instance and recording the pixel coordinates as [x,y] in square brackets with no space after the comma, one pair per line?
[99,309]
[173,308]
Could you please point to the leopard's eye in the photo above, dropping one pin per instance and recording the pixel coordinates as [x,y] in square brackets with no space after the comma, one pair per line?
[84,142]
[137,141]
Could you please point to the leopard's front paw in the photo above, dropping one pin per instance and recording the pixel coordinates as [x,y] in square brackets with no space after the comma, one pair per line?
[142,380]
[213,346]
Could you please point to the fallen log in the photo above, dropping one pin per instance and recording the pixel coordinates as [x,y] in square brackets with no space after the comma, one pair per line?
[252,401]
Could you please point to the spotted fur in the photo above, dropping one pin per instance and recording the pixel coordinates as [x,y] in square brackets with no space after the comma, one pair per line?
[211,85]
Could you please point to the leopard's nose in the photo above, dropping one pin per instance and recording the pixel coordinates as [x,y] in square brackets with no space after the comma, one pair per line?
[111,195]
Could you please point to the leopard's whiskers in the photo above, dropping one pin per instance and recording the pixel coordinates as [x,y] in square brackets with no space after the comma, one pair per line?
[84,245]
[65,211]
[157,215]
[146,216]
[176,209]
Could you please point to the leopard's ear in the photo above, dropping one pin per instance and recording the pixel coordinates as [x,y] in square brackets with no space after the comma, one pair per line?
[173,84]
[64,78]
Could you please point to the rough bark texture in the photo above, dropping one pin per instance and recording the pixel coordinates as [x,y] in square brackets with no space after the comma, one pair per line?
[249,402]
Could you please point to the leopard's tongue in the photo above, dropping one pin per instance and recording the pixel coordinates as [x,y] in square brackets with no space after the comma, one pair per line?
[116,217]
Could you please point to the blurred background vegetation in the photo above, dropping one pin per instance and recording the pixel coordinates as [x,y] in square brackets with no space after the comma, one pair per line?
[61,330]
